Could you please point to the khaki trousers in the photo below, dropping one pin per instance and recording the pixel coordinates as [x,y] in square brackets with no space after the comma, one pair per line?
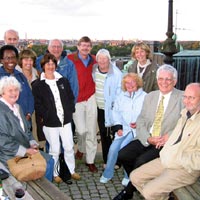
[85,120]
[155,182]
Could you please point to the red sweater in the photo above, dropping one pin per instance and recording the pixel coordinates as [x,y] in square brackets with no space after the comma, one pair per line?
[85,80]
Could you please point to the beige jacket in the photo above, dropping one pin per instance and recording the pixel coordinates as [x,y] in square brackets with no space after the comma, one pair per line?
[186,153]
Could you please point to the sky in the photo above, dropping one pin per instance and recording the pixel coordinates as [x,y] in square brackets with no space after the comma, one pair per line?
[99,19]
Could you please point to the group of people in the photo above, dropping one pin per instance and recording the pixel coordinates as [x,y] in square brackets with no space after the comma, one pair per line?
[146,125]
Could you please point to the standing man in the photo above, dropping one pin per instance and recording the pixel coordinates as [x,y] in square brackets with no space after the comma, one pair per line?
[85,116]
[11,37]
[149,141]
[178,164]
[65,66]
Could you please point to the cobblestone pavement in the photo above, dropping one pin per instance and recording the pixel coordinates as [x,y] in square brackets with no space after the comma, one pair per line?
[89,187]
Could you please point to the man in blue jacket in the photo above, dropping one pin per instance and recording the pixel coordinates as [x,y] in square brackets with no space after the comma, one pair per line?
[65,66]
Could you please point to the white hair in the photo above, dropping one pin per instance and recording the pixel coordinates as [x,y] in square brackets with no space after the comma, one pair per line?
[6,81]
[168,68]
[104,52]
[60,41]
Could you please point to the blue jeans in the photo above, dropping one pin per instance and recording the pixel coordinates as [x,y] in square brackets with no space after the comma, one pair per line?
[49,169]
[50,165]
[116,145]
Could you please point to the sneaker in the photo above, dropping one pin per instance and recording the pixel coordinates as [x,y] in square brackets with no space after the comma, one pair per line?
[76,176]
[104,179]
[125,182]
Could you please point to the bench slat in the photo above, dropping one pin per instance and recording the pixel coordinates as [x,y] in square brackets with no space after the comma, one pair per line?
[183,193]
[36,192]
[190,192]
[49,190]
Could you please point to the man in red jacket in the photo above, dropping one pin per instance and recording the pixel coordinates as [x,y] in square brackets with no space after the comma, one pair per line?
[85,116]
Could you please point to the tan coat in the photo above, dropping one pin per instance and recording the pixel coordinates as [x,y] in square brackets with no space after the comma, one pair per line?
[186,153]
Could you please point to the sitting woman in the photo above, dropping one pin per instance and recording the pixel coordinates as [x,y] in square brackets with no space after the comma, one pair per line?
[126,109]
[54,102]
[15,136]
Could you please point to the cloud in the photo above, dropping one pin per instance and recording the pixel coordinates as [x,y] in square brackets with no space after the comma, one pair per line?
[99,19]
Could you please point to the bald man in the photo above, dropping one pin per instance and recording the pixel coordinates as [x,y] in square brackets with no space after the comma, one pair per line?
[11,37]
[178,164]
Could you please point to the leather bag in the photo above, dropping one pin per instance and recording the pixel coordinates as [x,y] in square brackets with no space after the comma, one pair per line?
[27,168]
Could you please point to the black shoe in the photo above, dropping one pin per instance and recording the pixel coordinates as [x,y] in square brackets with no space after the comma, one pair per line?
[123,196]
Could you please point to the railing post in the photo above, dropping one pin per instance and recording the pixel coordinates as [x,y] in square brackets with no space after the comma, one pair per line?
[168,47]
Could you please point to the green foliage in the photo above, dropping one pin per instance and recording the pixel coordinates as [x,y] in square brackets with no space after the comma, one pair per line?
[39,49]
[118,50]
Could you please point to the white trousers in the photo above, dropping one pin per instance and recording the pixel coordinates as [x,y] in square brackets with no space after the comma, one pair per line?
[53,136]
[85,120]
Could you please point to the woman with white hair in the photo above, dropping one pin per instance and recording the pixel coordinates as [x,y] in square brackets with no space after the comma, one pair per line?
[15,136]
[107,78]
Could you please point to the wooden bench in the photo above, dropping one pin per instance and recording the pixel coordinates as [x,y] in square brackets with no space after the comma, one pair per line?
[190,192]
[40,189]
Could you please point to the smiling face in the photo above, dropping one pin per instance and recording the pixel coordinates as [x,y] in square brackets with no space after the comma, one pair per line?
[49,69]
[11,94]
[9,60]
[141,55]
[130,85]
[103,62]
[191,98]
[166,81]
[27,64]
[84,49]
[55,48]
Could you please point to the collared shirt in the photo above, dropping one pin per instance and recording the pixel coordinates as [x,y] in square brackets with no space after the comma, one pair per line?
[54,89]
[165,103]
[85,61]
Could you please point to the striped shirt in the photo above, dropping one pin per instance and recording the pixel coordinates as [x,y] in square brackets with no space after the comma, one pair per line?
[99,94]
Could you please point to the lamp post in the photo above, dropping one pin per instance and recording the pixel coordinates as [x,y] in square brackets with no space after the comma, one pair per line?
[168,47]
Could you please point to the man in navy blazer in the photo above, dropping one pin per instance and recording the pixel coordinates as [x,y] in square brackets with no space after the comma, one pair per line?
[146,147]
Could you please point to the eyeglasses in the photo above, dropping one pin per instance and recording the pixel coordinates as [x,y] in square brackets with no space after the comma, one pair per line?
[165,79]
[56,47]
[10,58]
[190,98]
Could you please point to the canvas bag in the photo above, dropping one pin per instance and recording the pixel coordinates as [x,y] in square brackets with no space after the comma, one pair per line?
[27,168]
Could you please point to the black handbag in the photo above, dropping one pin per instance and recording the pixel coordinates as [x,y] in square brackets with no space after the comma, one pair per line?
[63,170]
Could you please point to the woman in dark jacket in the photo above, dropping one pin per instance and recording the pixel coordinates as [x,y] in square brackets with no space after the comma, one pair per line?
[54,103]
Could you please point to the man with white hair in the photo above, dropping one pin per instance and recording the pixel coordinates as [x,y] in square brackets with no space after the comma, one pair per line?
[65,66]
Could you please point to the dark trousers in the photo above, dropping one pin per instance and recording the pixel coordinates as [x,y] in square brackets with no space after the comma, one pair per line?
[105,133]
[133,156]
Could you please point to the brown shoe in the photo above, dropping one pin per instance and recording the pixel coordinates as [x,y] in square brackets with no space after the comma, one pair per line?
[79,155]
[57,179]
[76,176]
[92,167]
